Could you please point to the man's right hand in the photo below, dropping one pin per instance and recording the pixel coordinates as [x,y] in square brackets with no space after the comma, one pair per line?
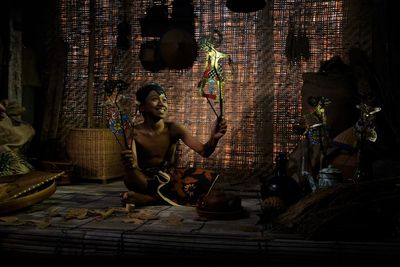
[219,129]
[127,159]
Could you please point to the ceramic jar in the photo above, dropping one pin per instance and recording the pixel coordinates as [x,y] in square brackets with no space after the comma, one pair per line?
[329,176]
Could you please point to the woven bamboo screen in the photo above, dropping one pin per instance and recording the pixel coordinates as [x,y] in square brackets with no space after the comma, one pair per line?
[262,102]
[321,22]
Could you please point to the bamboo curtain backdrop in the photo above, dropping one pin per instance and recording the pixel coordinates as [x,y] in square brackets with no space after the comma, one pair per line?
[322,24]
[262,102]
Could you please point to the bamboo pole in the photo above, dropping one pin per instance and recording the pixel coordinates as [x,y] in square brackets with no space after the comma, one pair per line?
[92,52]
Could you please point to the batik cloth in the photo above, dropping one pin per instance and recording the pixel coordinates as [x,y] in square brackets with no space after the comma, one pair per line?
[182,186]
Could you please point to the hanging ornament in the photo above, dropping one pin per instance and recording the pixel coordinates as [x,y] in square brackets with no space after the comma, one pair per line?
[245,6]
[124,35]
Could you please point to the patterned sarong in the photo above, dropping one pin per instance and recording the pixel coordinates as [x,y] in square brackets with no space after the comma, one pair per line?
[184,186]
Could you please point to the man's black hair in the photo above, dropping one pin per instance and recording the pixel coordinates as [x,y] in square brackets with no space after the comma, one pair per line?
[144,91]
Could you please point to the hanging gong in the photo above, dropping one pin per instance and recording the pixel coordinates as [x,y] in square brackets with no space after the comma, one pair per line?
[245,6]
[178,49]
[150,56]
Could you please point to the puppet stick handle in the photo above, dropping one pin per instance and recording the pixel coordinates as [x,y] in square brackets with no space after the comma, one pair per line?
[212,185]
[116,137]
[208,100]
[124,134]
[122,124]
[221,114]
[220,108]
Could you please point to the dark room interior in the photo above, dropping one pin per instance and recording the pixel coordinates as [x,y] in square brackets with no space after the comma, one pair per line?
[307,172]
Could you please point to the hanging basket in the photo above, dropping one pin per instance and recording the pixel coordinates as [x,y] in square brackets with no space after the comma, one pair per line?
[95,153]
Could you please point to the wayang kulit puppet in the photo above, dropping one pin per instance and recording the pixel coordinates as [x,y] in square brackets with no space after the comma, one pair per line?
[118,109]
[213,75]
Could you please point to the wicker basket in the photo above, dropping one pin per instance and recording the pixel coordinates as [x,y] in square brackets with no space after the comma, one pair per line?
[95,153]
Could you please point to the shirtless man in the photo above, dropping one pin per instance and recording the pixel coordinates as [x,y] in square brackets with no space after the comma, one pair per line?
[154,144]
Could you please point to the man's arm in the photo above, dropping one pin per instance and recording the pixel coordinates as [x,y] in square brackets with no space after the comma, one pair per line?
[207,148]
[134,178]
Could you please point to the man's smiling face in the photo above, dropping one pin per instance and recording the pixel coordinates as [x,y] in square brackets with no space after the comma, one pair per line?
[156,105]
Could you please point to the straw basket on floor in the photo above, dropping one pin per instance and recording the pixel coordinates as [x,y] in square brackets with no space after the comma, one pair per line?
[95,153]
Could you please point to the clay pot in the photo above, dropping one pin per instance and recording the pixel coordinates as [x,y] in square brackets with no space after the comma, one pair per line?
[218,201]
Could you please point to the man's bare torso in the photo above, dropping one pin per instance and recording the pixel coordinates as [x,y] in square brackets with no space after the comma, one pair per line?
[153,148]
